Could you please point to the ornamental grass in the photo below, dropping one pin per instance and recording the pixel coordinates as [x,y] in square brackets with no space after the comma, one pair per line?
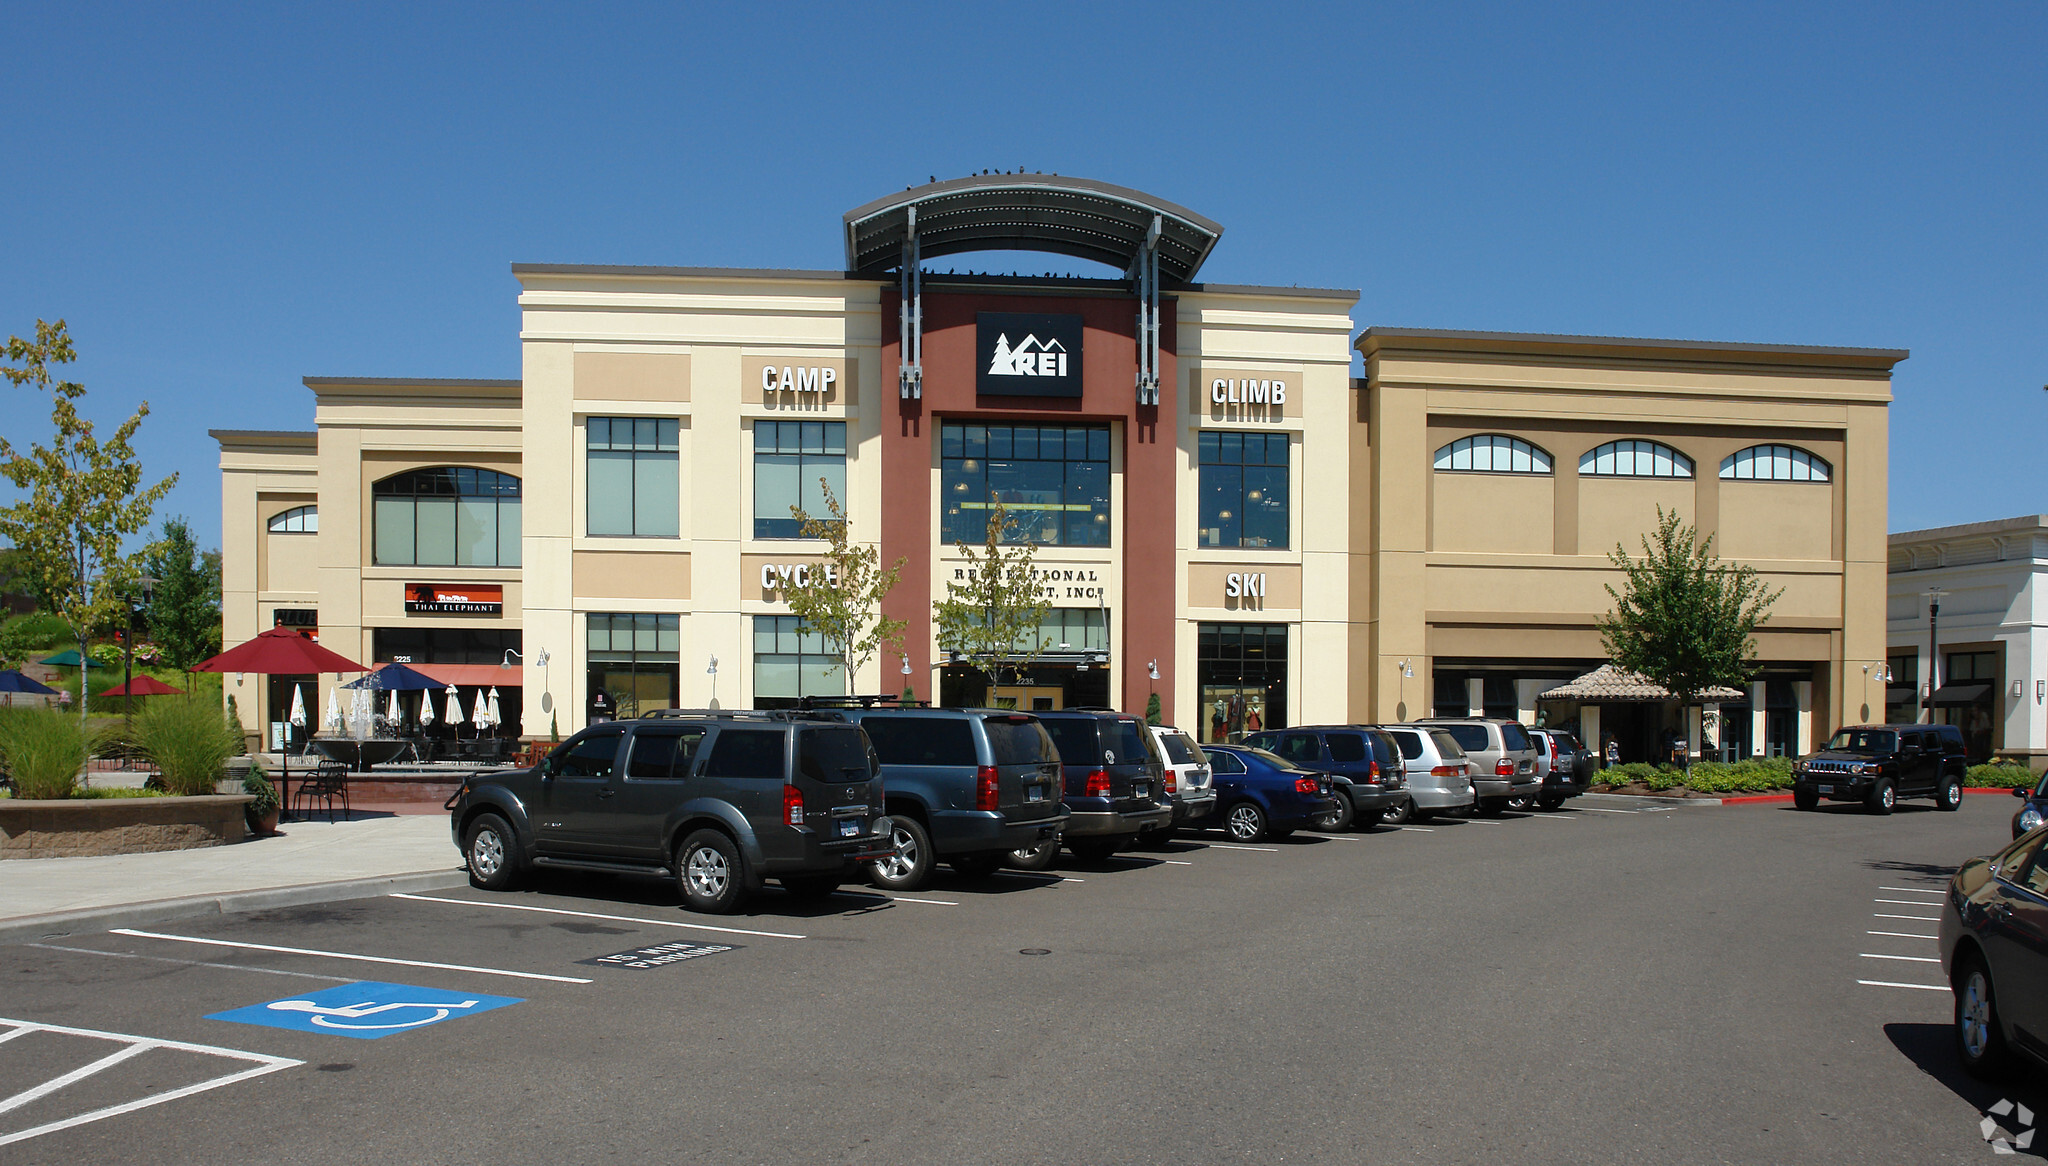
[44,752]
[189,740]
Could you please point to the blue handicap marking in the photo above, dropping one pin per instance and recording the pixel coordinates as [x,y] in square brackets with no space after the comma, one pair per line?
[367,1010]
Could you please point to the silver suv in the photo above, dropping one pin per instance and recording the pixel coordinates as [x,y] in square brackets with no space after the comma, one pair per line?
[1439,776]
[1502,756]
[1193,790]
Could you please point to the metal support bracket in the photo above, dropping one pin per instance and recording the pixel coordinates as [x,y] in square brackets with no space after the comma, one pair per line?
[910,316]
[1148,316]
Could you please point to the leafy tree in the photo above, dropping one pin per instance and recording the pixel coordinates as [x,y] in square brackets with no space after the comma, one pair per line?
[843,602]
[81,498]
[992,619]
[1683,618]
[184,614]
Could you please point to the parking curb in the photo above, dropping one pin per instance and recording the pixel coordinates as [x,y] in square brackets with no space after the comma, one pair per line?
[1752,798]
[59,923]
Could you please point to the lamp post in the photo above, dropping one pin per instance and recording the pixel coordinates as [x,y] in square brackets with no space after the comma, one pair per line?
[148,586]
[540,660]
[1934,597]
[1884,676]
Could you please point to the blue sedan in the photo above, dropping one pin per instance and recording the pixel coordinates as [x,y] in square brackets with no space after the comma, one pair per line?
[1262,795]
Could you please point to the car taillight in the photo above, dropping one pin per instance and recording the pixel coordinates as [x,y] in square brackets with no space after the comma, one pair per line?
[1172,783]
[1098,785]
[1372,770]
[1504,768]
[985,788]
[792,805]
[1447,771]
[1307,785]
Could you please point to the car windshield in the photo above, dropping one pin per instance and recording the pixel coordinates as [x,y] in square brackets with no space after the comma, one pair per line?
[1272,759]
[1448,745]
[1131,741]
[1864,741]
[1019,741]
[1514,739]
[1470,737]
[1410,743]
[1181,750]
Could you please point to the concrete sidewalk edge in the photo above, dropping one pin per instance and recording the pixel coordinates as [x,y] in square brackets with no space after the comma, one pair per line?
[58,923]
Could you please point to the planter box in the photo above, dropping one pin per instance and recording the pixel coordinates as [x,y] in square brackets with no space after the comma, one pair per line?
[92,826]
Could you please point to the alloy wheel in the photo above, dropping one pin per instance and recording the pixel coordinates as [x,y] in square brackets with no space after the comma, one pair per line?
[903,859]
[1244,824]
[1974,1015]
[486,853]
[707,872]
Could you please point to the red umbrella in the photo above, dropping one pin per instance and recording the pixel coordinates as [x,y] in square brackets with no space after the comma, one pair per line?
[279,651]
[144,686]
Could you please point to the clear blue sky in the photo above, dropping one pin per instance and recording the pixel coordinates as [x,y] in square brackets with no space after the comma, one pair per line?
[222,201]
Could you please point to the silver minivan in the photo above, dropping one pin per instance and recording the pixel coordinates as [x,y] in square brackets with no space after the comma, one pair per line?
[1502,756]
[1439,776]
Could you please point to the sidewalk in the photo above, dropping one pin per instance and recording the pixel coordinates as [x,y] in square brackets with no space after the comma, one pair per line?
[309,862]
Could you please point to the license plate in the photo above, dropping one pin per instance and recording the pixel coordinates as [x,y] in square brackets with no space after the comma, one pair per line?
[1138,789]
[1827,789]
[1034,793]
[849,827]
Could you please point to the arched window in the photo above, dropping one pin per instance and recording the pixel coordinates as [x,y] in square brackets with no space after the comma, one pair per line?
[1493,453]
[1635,459]
[448,516]
[298,520]
[1773,463]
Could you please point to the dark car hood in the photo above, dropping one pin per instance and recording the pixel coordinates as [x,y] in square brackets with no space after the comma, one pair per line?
[1832,755]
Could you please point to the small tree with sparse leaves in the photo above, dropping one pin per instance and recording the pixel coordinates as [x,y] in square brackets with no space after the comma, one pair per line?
[992,618]
[843,601]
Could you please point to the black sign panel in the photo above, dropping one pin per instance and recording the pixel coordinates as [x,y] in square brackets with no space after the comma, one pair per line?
[660,955]
[1022,355]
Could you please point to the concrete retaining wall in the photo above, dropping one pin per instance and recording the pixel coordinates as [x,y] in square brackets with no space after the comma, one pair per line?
[91,826]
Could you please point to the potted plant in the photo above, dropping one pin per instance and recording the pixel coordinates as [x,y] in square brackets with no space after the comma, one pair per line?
[262,813]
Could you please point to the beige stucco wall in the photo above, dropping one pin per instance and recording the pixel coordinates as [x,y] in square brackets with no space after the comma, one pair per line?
[1493,512]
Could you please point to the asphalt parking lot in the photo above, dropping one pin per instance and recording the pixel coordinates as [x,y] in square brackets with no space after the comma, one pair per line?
[1610,983]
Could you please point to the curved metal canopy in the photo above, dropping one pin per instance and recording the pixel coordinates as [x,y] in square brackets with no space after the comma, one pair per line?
[1029,212]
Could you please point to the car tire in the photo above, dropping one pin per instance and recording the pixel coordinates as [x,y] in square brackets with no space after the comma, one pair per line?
[1245,822]
[1518,804]
[909,866]
[710,873]
[1094,849]
[1338,818]
[810,887]
[1550,801]
[978,866]
[1950,795]
[1367,819]
[1491,807]
[491,853]
[1882,797]
[1804,799]
[1039,856]
[1399,813]
[1980,1045]
[1419,816]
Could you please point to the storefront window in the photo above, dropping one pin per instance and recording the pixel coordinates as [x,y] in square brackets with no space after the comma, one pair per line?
[633,662]
[1052,479]
[790,457]
[411,645]
[1902,692]
[1244,489]
[1241,670]
[1969,684]
[449,516]
[633,476]
[791,663]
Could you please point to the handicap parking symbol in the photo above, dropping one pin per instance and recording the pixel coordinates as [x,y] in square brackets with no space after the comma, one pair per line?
[367,1010]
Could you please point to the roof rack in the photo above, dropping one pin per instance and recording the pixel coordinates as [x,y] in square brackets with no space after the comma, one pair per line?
[866,702]
[731,714]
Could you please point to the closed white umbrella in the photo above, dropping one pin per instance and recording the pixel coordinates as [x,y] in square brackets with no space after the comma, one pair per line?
[298,716]
[454,706]
[496,720]
[391,710]
[481,714]
[332,723]
[426,709]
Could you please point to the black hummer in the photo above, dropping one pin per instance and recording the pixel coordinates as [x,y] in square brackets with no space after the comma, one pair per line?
[1879,764]
[721,801]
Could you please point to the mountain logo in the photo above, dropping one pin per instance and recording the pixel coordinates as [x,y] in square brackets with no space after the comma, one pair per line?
[1028,354]
[1031,358]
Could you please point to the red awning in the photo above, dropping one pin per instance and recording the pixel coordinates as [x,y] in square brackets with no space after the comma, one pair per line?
[470,675]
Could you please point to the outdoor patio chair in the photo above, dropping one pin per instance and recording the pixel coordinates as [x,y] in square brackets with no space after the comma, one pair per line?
[328,782]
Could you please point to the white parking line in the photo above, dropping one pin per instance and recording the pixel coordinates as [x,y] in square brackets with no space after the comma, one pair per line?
[896,899]
[1902,935]
[164,959]
[1555,818]
[1605,810]
[343,955]
[1906,902]
[1917,890]
[596,915]
[1032,874]
[1418,829]
[1260,849]
[1917,959]
[1890,984]
[1175,862]
[1914,918]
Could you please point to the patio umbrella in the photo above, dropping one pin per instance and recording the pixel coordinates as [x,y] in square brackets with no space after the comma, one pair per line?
[426,710]
[481,714]
[69,658]
[279,651]
[332,722]
[298,717]
[391,710]
[13,681]
[454,707]
[395,678]
[143,686]
[496,720]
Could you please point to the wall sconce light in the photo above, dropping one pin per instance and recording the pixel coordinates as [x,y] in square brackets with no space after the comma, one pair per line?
[1152,669]
[2019,689]
[2040,691]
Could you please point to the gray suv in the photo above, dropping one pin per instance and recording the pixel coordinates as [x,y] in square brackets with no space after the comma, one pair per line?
[1502,756]
[720,801]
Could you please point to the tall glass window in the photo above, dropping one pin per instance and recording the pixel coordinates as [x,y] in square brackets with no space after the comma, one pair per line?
[634,480]
[1244,489]
[633,659]
[790,459]
[1052,479]
[790,664]
[449,516]
[1241,670]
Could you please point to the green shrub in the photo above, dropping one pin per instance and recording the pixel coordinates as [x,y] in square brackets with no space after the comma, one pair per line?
[1999,775]
[188,740]
[257,785]
[43,751]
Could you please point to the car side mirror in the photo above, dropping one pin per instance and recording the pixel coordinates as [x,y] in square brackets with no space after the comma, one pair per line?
[2020,791]
[547,766]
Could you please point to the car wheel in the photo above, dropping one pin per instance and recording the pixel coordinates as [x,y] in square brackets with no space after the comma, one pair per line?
[1093,849]
[908,867]
[1979,1043]
[1420,816]
[1549,802]
[1367,819]
[979,866]
[1805,799]
[709,873]
[1883,796]
[1035,857]
[492,853]
[1245,822]
[809,887]
[1338,816]
[1398,813]
[1492,807]
[1518,804]
[1951,794]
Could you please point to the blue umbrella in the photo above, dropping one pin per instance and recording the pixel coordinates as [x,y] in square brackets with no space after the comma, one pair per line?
[13,680]
[396,678]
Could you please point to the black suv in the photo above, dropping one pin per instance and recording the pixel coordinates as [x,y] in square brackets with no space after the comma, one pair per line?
[1879,764]
[965,785]
[719,800]
[1115,778]
[1370,785]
